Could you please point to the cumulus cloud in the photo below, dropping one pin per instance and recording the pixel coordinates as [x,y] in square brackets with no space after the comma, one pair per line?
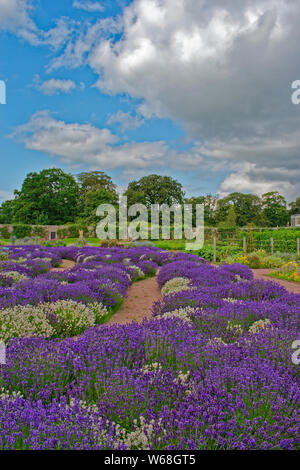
[85,145]
[256,179]
[90,146]
[56,86]
[126,120]
[73,142]
[88,6]
[222,69]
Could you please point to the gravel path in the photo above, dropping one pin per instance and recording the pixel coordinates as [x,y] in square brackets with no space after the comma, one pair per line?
[142,294]
[65,265]
[264,274]
[138,303]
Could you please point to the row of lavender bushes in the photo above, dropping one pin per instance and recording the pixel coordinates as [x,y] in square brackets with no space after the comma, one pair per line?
[211,370]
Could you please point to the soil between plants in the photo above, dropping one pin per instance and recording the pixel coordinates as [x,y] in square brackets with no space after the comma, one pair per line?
[138,304]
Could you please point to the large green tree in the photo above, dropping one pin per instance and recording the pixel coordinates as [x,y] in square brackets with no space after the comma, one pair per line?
[209,202]
[95,180]
[295,206]
[274,207]
[7,211]
[51,196]
[92,200]
[230,220]
[247,207]
[155,189]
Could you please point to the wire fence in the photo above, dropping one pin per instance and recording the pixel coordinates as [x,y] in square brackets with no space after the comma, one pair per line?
[246,245]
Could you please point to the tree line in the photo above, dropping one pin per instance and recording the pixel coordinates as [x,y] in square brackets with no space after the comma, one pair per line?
[53,197]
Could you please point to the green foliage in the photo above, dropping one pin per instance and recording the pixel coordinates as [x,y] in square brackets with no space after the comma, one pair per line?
[50,196]
[285,240]
[7,210]
[259,259]
[53,197]
[4,233]
[155,189]
[53,243]
[230,220]
[209,202]
[207,252]
[92,181]
[274,207]
[253,261]
[62,233]
[73,230]
[21,230]
[170,244]
[295,206]
[91,201]
[271,261]
[247,208]
[3,255]
[38,231]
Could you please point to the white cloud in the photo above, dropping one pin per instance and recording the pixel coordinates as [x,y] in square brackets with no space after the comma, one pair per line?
[84,145]
[58,36]
[88,6]
[56,86]
[15,17]
[259,180]
[87,35]
[69,141]
[126,120]
[88,145]
[5,195]
[221,69]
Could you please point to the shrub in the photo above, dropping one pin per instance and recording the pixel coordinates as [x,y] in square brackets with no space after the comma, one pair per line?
[271,262]
[24,321]
[63,233]
[176,284]
[38,231]
[100,311]
[253,261]
[69,318]
[73,230]
[5,233]
[14,276]
[21,230]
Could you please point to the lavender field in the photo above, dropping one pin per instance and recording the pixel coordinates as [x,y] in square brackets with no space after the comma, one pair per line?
[212,369]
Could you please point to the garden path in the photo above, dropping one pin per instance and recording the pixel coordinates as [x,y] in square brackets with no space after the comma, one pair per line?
[138,303]
[264,274]
[65,265]
[142,294]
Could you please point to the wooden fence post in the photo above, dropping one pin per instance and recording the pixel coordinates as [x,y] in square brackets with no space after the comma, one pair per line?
[215,249]
[298,246]
[272,245]
[244,245]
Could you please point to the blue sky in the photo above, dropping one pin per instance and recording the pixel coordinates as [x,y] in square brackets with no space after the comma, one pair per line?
[152,86]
